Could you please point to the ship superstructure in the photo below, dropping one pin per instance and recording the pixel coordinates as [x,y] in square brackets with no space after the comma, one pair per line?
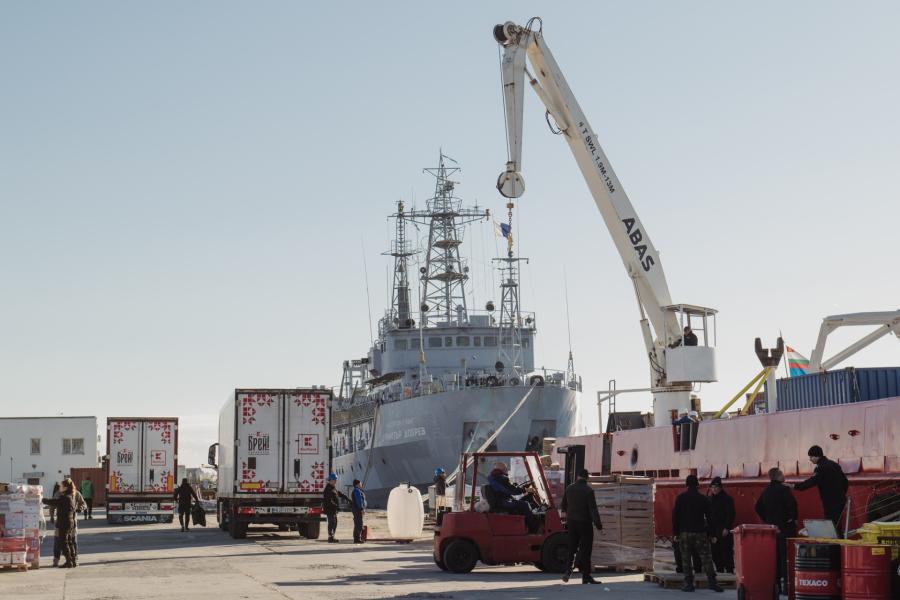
[443,379]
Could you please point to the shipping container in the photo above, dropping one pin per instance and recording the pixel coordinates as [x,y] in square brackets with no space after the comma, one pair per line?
[272,457]
[142,463]
[97,476]
[842,386]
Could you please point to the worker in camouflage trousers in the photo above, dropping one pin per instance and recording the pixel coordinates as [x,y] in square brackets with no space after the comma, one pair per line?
[691,526]
[64,541]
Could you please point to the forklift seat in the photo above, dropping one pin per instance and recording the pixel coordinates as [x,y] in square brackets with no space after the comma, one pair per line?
[487,492]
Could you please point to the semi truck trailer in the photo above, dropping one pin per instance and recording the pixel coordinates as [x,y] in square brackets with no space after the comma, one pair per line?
[143,462]
[272,457]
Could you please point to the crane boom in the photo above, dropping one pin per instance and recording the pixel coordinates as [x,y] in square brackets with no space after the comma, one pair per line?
[639,255]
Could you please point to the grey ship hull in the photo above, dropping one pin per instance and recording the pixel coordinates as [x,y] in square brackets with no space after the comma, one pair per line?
[414,436]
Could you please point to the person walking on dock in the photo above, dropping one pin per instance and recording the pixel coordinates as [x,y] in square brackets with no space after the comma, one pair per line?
[721,521]
[332,505]
[582,516]
[832,483]
[777,506]
[184,494]
[358,504]
[691,526]
[54,496]
[87,492]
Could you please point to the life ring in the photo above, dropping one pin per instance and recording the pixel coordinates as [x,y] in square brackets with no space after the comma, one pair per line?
[491,381]
[536,380]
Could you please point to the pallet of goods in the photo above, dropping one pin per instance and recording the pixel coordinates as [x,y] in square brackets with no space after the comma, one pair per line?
[626,509]
[21,526]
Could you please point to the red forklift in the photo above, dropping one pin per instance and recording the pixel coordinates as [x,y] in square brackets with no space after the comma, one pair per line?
[482,530]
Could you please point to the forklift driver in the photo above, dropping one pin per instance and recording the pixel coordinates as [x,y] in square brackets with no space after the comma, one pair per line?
[504,490]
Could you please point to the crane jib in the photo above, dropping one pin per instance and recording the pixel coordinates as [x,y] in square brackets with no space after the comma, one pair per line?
[587,136]
[635,235]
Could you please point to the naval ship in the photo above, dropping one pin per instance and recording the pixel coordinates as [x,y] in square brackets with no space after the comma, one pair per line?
[443,378]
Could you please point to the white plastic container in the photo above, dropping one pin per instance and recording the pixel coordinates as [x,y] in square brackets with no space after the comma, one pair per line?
[405,515]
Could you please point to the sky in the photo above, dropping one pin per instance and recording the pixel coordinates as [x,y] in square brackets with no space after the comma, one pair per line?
[188,191]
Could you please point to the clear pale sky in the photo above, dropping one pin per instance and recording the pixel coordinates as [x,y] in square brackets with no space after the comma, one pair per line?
[186,189]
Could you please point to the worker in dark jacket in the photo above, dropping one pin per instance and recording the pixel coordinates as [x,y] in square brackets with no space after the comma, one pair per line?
[504,490]
[65,523]
[832,483]
[440,490]
[777,506]
[691,525]
[580,506]
[184,493]
[332,504]
[721,521]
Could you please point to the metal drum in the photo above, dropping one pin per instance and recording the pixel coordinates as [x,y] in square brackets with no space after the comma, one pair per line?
[817,571]
[866,572]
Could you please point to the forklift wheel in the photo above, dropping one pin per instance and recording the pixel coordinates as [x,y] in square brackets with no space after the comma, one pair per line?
[439,563]
[460,556]
[555,554]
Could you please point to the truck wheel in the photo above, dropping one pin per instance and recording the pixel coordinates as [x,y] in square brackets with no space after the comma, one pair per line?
[742,593]
[222,515]
[439,562]
[237,530]
[460,556]
[555,553]
[312,530]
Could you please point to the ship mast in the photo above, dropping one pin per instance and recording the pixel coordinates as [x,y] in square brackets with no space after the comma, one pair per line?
[444,275]
[400,315]
[510,347]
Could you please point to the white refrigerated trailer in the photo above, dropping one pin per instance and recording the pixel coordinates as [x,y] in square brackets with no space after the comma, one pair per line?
[274,453]
[143,462]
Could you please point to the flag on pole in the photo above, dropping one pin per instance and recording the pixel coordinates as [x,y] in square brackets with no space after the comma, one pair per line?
[502,229]
[796,362]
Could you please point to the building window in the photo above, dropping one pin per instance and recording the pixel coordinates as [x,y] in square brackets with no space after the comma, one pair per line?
[401,344]
[414,344]
[476,341]
[462,340]
[490,340]
[435,342]
[73,446]
[448,341]
[35,445]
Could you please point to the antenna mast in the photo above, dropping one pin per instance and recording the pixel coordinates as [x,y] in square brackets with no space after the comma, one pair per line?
[400,316]
[510,346]
[444,274]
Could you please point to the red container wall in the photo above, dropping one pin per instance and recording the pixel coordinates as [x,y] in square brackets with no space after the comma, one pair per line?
[98,478]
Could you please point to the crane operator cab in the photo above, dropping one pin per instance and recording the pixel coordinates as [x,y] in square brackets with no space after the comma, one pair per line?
[691,355]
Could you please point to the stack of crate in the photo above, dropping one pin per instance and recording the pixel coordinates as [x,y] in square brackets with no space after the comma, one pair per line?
[626,509]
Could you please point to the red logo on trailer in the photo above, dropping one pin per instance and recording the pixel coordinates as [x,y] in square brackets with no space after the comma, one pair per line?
[157,458]
[307,443]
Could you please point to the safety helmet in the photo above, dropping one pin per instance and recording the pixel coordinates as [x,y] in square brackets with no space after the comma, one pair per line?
[438,471]
[332,477]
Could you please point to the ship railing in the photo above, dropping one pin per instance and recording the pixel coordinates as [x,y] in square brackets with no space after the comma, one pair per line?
[471,318]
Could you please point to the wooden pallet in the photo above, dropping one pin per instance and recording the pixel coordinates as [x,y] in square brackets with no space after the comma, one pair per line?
[22,567]
[671,579]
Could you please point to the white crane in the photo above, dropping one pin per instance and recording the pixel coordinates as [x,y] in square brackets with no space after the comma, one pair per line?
[674,366]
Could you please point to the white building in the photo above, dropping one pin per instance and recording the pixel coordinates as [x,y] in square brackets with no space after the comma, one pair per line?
[42,450]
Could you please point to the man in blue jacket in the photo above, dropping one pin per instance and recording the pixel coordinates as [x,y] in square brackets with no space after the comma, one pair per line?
[358,498]
[504,490]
